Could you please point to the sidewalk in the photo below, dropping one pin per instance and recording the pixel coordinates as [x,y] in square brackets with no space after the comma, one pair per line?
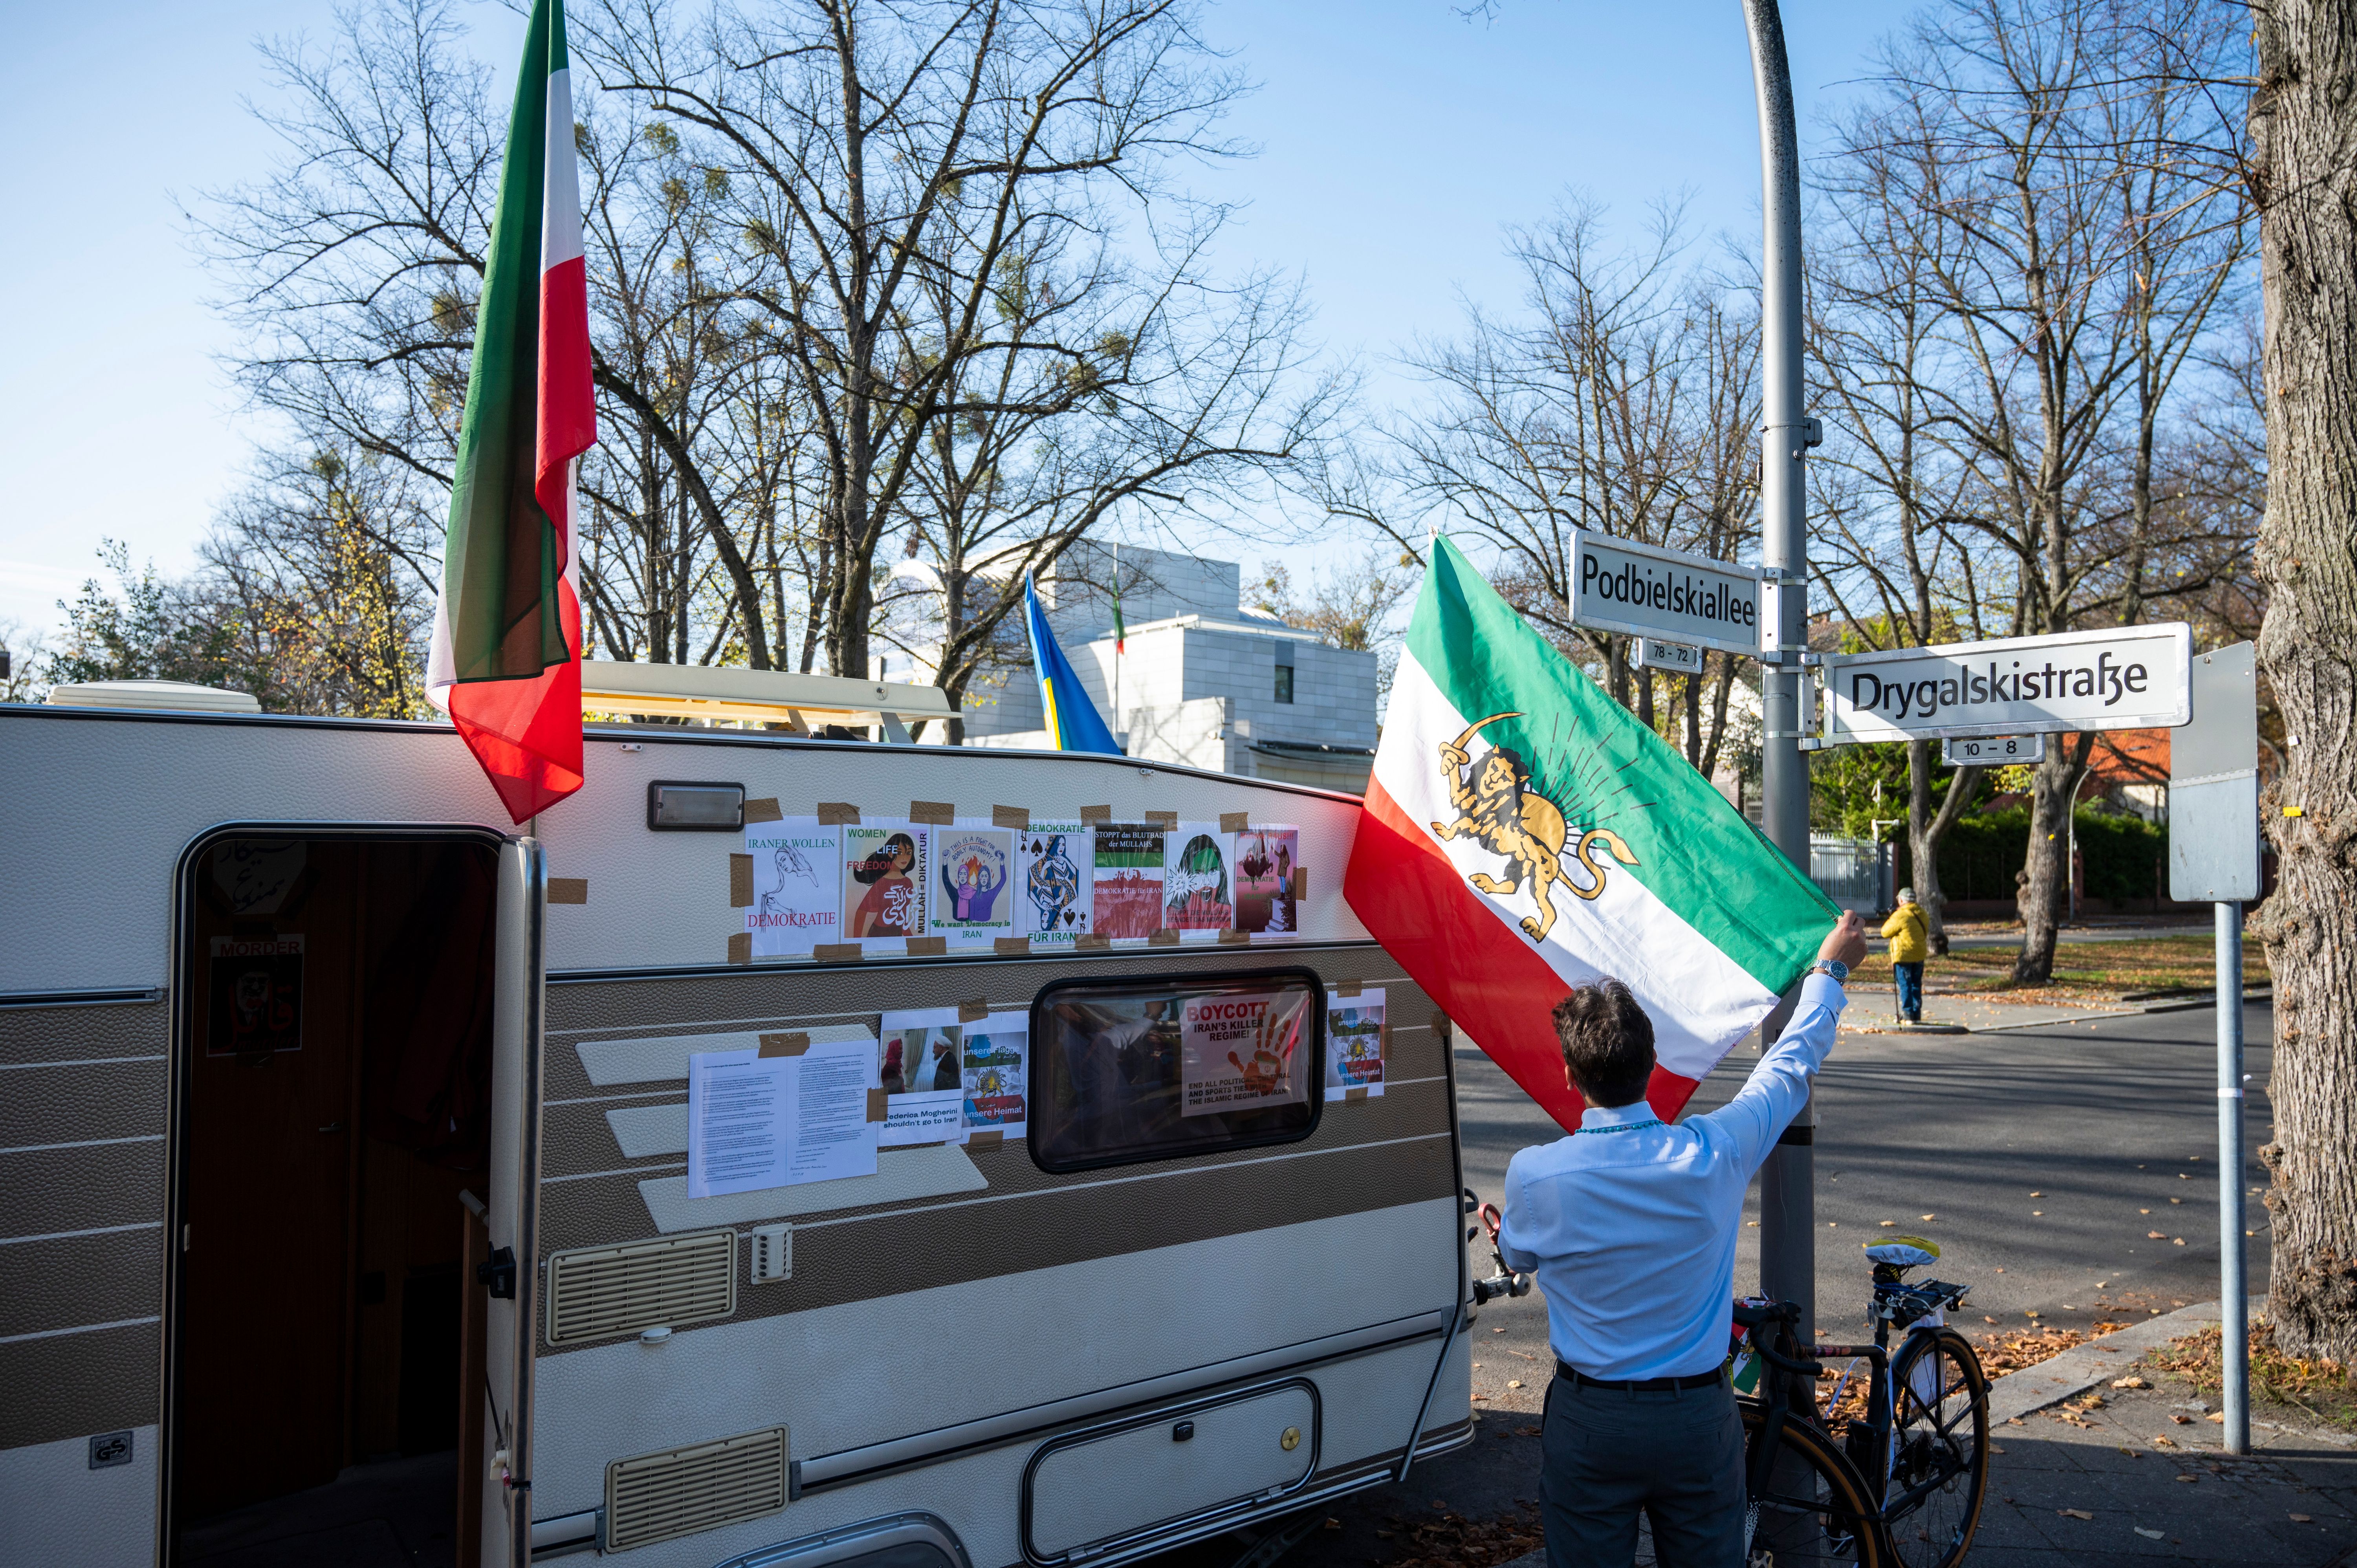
[1873,1011]
[2140,1478]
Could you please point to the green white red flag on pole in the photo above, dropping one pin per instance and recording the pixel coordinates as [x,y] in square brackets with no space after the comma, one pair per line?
[1524,833]
[506,660]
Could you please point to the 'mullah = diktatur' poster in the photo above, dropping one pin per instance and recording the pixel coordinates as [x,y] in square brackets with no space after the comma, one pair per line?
[1241,1050]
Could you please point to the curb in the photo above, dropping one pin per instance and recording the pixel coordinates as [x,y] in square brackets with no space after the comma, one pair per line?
[2081,1367]
[2134,1010]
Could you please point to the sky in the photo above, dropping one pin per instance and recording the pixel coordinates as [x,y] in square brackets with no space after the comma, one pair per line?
[1397,142]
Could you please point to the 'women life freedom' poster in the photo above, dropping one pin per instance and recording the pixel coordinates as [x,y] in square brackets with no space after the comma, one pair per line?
[883,880]
[1238,1050]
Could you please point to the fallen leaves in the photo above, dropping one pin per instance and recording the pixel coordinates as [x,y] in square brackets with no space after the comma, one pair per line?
[2182,1420]
[2074,1513]
[2156,1235]
[2190,1480]
[2164,1442]
[1889,1223]
[1930,1217]
[1455,1541]
[2177,1241]
[1514,1383]
[2130,1381]
[2148,1534]
[2303,1518]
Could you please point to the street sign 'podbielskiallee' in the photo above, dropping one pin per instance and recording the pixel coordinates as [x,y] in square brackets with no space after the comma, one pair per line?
[2135,677]
[1618,584]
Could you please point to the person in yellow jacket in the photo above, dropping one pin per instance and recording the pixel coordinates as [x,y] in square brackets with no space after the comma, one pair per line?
[1909,933]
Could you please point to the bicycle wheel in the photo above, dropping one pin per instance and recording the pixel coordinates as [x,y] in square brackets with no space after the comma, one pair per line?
[1816,1513]
[1939,1449]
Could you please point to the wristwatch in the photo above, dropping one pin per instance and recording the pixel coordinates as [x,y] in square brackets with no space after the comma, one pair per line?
[1833,969]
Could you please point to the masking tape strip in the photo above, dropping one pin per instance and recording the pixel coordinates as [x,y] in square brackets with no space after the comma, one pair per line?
[1234,939]
[938,814]
[1359,1094]
[972,1012]
[880,1104]
[740,881]
[1090,941]
[1166,938]
[1234,821]
[764,809]
[928,946]
[1345,988]
[833,953]
[1011,947]
[571,890]
[988,1138]
[740,947]
[785,1043]
[1015,817]
[1166,821]
[834,813]
[1093,814]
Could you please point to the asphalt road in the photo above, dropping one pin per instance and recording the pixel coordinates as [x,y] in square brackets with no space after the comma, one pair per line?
[2037,1153]
[2043,1157]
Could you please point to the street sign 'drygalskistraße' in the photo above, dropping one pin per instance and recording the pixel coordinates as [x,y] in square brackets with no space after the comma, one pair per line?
[1618,584]
[2133,677]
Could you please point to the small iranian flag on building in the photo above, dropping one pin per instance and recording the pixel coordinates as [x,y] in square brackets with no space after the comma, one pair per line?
[506,660]
[1525,834]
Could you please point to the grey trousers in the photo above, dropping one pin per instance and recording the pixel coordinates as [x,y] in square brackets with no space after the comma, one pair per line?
[1677,1454]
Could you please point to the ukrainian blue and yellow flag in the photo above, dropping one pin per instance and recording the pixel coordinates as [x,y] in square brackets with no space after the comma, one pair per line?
[1072,721]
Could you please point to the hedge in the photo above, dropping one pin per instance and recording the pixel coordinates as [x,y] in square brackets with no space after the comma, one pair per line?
[1980,856]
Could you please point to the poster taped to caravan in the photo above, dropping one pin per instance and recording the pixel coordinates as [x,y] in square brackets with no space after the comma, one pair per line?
[257,995]
[1267,894]
[993,1053]
[1241,1049]
[755,1121]
[1059,865]
[918,1064]
[973,866]
[1196,894]
[797,886]
[1127,891]
[884,874]
[1354,1043]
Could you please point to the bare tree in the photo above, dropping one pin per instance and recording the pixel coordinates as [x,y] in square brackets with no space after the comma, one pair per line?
[2076,259]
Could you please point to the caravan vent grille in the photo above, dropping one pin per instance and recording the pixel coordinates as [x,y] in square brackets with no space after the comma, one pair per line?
[659,1496]
[596,1291]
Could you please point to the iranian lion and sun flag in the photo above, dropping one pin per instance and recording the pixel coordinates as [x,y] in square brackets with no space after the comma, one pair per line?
[506,660]
[1524,833]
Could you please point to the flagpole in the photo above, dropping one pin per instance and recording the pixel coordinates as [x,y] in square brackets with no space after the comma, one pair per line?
[1787,1182]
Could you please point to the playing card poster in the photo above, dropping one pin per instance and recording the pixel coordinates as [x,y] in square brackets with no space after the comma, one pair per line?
[1126,892]
[1241,1050]
[796,885]
[1059,867]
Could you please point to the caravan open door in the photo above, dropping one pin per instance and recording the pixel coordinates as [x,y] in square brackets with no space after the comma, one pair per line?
[509,1277]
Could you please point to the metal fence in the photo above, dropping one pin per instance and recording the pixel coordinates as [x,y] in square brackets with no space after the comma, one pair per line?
[1851,871]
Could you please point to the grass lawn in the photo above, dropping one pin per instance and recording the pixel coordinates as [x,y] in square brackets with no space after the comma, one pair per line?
[2134,966]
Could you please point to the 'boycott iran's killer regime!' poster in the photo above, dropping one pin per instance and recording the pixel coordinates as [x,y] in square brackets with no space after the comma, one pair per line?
[1242,1049]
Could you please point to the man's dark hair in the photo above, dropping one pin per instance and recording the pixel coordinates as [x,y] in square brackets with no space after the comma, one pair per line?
[1608,1042]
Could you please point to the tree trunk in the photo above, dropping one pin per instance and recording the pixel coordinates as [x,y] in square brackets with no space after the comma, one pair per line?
[1926,828]
[2047,872]
[2303,120]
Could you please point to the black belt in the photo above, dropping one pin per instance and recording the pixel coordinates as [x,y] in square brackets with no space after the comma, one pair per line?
[1572,1374]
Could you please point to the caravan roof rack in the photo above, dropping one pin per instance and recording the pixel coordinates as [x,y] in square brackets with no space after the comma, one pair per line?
[764,696]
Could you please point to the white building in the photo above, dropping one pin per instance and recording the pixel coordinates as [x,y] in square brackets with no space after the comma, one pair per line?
[1204,681]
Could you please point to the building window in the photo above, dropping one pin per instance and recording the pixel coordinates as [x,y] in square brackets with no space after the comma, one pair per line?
[1285,672]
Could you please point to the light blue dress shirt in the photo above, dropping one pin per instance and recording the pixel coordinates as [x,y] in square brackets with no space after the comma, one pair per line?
[1631,1227]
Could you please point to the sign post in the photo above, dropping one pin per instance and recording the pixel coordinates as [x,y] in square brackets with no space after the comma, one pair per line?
[2213,854]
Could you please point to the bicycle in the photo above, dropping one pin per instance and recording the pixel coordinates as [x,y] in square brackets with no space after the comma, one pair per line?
[1900,1483]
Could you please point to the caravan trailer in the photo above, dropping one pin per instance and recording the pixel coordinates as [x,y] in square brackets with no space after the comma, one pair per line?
[345,1184]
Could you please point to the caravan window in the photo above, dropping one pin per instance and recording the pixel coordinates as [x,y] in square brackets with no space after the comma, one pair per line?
[1152,1068]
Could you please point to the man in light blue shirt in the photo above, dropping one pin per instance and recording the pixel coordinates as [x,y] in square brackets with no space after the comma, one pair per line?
[1630,1227]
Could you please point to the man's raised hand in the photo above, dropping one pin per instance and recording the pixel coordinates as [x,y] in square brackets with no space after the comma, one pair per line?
[1846,943]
